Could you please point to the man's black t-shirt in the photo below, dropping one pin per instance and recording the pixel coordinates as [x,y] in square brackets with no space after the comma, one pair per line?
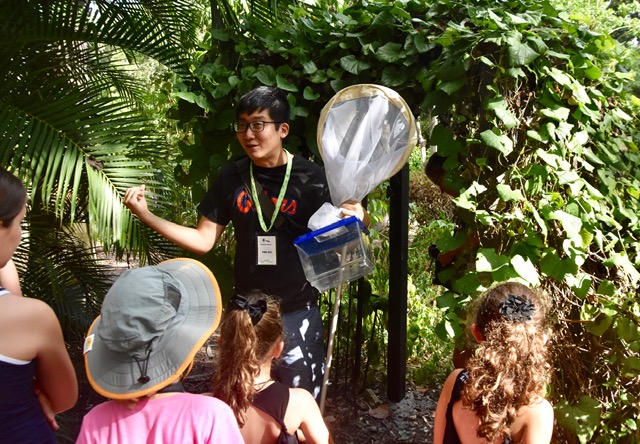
[227,201]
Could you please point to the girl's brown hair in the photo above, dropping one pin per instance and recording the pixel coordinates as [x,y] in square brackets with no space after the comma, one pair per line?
[510,368]
[13,197]
[246,340]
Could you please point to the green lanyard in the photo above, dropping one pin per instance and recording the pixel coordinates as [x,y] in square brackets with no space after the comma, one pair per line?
[283,189]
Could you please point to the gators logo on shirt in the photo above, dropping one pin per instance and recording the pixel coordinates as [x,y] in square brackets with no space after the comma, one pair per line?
[245,205]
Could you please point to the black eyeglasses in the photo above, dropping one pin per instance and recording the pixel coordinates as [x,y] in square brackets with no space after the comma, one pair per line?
[256,127]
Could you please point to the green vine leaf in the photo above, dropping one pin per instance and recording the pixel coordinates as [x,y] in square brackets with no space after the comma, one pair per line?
[627,329]
[631,366]
[393,76]
[192,97]
[283,83]
[507,194]
[519,53]
[542,224]
[582,418]
[309,93]
[267,75]
[556,112]
[452,86]
[390,52]
[562,78]
[526,270]
[422,44]
[606,288]
[571,224]
[309,67]
[516,19]
[557,268]
[466,201]
[499,142]
[600,324]
[442,137]
[507,118]
[622,260]
[468,284]
[351,64]
[447,300]
[487,260]
[579,284]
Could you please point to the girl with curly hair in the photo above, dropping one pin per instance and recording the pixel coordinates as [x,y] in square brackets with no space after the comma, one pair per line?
[499,396]
[267,411]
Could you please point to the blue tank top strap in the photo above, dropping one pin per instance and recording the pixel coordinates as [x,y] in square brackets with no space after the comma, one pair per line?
[4,291]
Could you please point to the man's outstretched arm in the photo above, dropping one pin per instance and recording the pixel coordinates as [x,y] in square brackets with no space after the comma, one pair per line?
[198,240]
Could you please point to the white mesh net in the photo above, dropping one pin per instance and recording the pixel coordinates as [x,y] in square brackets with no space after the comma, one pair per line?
[366,133]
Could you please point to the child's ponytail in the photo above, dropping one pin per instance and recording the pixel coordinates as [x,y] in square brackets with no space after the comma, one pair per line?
[250,328]
[509,368]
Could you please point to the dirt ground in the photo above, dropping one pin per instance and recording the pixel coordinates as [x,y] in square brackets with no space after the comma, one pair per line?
[356,419]
[352,418]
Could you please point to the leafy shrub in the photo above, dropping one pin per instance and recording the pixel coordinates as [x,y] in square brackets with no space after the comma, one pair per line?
[536,140]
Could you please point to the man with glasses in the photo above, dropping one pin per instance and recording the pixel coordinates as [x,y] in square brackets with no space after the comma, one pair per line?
[265,229]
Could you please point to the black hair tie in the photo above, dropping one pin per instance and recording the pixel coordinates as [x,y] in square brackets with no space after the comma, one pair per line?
[255,310]
[517,309]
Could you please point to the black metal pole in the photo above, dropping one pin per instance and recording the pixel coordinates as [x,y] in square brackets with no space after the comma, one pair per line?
[398,253]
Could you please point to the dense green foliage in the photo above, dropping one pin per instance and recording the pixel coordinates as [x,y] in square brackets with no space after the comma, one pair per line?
[74,127]
[538,142]
[535,136]
[619,18]
[70,118]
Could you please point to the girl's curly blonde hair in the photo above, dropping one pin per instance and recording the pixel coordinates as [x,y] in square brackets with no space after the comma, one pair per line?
[510,368]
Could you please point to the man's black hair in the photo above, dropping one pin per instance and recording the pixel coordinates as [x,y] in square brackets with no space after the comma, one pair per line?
[261,98]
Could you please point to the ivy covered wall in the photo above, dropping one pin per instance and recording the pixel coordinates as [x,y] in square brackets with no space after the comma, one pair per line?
[535,139]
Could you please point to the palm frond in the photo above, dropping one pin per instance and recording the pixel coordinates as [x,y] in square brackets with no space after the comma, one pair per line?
[163,30]
[268,11]
[52,144]
[69,105]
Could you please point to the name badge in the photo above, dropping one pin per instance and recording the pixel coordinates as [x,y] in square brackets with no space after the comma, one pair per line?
[266,250]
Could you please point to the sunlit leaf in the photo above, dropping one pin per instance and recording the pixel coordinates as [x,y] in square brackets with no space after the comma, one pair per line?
[622,260]
[507,194]
[525,269]
[488,260]
[520,53]
[581,418]
[571,224]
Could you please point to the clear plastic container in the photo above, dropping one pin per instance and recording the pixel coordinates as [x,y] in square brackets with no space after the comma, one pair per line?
[336,254]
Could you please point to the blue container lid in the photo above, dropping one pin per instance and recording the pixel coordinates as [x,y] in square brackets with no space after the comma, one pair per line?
[304,240]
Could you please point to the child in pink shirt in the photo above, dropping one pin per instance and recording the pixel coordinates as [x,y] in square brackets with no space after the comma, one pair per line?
[152,323]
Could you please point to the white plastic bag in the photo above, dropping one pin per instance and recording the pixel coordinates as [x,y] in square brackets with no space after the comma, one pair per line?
[327,214]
